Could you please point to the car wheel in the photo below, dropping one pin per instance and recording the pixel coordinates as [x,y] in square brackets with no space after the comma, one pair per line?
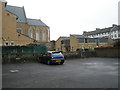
[48,62]
[40,61]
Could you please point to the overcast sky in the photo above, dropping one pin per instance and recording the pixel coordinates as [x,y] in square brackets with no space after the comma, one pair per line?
[65,17]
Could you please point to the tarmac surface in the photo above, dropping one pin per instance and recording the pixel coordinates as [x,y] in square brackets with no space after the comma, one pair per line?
[74,73]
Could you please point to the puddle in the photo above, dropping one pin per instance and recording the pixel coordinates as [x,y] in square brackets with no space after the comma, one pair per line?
[14,71]
[90,63]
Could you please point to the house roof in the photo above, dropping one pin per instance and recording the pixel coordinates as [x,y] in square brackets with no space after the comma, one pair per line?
[78,36]
[36,22]
[19,11]
[97,31]
[106,30]
[114,28]
[66,38]
[61,38]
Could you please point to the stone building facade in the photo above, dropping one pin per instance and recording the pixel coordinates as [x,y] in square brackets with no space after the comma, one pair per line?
[111,32]
[83,42]
[60,43]
[17,29]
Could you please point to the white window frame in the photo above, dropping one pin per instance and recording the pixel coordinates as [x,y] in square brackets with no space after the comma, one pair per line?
[11,43]
[6,42]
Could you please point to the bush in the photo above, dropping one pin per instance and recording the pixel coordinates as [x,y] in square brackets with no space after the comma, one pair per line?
[79,50]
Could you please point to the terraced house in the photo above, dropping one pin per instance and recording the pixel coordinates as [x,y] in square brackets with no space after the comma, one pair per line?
[111,32]
[20,30]
[82,42]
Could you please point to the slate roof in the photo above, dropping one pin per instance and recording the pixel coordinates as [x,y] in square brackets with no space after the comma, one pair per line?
[114,28]
[78,36]
[36,22]
[66,38]
[105,30]
[19,11]
[97,31]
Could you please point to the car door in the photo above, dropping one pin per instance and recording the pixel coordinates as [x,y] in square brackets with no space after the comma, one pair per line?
[48,57]
[44,58]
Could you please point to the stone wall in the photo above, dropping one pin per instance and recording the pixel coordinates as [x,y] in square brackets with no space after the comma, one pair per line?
[107,52]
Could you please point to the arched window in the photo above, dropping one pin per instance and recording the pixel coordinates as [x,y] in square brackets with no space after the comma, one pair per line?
[30,33]
[44,35]
[38,35]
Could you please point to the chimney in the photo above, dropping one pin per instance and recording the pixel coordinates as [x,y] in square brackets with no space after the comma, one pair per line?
[4,3]
[114,25]
[84,31]
[97,28]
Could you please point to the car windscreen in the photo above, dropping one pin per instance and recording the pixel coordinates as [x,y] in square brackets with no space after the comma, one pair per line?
[57,54]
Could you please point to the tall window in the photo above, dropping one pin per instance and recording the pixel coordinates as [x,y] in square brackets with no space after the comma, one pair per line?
[30,33]
[38,35]
[44,35]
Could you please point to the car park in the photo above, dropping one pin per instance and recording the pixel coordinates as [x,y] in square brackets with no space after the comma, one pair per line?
[52,57]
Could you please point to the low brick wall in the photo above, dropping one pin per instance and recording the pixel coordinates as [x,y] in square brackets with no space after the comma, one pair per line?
[112,52]
[72,55]
[19,58]
[33,57]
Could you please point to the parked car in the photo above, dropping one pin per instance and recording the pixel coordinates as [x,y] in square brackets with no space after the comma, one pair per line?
[52,57]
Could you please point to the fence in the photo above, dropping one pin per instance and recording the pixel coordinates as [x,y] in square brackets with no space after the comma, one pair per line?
[23,49]
[107,52]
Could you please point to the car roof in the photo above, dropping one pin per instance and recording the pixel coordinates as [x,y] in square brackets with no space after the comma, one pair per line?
[53,52]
